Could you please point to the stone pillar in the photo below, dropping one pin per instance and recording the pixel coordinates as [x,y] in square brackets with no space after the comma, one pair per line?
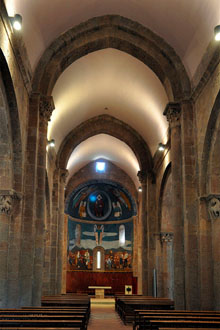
[27,241]
[54,233]
[213,206]
[152,229]
[63,173]
[46,107]
[190,206]
[206,262]
[7,204]
[167,264]
[142,175]
[173,113]
[135,246]
[14,250]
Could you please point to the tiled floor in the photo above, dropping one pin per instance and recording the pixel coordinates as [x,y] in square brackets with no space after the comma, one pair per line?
[104,317]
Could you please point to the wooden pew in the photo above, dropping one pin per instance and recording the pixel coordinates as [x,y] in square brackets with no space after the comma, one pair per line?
[156,324]
[140,314]
[42,324]
[126,307]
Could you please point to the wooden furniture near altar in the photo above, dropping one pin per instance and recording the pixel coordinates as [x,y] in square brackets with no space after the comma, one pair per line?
[99,290]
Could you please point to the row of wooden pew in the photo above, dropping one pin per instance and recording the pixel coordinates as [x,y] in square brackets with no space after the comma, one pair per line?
[178,319]
[126,305]
[56,313]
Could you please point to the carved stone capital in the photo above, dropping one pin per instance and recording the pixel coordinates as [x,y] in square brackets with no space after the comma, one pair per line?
[8,200]
[166,237]
[213,205]
[46,107]
[142,176]
[63,175]
[173,112]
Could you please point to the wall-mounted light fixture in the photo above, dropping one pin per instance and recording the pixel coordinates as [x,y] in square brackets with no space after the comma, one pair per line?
[161,147]
[217,33]
[16,22]
[139,189]
[51,143]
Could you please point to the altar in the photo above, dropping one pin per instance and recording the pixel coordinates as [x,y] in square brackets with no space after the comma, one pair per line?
[99,290]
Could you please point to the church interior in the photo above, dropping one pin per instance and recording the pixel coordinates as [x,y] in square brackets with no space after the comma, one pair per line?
[110,150]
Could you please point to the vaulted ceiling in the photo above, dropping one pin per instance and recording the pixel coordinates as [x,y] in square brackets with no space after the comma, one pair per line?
[110,81]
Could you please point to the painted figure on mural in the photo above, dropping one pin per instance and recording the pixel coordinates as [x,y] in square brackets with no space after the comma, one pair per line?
[82,209]
[87,258]
[99,206]
[98,231]
[117,209]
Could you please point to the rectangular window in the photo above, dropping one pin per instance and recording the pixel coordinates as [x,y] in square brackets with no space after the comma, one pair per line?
[98,259]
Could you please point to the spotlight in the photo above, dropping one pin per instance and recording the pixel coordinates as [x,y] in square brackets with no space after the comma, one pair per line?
[161,147]
[139,189]
[16,22]
[51,143]
[217,33]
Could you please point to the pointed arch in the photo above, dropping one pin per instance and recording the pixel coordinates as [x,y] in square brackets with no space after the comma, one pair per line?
[113,31]
[108,125]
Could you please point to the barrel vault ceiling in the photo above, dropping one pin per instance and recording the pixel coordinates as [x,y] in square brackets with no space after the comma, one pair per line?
[110,81]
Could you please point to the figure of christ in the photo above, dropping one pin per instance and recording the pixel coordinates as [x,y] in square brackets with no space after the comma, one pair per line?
[99,207]
[98,231]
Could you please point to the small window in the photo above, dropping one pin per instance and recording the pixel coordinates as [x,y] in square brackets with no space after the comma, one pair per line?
[122,235]
[98,259]
[100,167]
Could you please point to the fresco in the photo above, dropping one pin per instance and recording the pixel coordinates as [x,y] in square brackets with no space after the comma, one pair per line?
[100,201]
[116,239]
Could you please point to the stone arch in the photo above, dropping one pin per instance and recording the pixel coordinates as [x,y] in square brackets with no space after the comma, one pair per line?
[11,138]
[113,31]
[210,153]
[108,125]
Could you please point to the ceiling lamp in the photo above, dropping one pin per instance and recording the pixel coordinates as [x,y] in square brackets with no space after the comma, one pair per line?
[16,22]
[161,147]
[217,33]
[51,143]
[139,189]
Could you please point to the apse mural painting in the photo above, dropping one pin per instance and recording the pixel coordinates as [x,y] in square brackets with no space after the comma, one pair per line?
[116,239]
[100,202]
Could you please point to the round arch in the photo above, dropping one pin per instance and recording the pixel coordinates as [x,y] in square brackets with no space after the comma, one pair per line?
[13,118]
[113,31]
[210,152]
[111,126]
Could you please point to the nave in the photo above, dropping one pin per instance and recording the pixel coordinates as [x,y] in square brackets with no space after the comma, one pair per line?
[104,317]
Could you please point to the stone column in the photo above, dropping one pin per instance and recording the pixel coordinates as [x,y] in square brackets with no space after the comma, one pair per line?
[152,229]
[213,206]
[46,107]
[63,173]
[173,114]
[54,233]
[142,175]
[27,241]
[7,204]
[14,250]
[167,261]
[190,206]
[205,256]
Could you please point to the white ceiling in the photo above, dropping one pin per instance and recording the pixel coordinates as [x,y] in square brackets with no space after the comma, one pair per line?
[105,147]
[187,25]
[115,80]
[110,78]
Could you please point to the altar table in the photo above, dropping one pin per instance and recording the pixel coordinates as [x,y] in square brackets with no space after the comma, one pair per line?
[99,290]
